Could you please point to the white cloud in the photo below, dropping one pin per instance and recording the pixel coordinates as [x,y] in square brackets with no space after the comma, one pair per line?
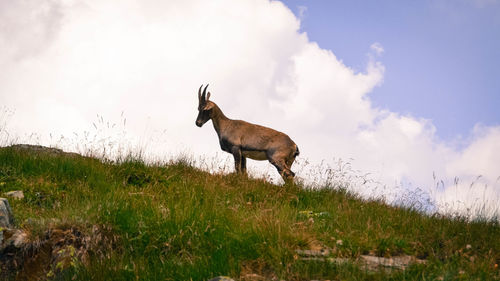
[302,11]
[148,58]
[377,48]
[38,21]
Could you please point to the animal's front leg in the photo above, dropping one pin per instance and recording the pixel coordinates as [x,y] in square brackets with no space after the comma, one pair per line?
[236,151]
[243,164]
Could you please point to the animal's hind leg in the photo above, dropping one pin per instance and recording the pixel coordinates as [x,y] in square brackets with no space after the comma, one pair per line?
[280,160]
[289,161]
[283,170]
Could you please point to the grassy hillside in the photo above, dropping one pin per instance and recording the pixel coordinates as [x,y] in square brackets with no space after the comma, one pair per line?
[131,221]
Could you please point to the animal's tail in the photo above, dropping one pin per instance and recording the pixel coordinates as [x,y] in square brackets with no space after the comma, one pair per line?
[297,152]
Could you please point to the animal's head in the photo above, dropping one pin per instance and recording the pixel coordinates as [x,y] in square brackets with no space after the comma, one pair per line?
[204,107]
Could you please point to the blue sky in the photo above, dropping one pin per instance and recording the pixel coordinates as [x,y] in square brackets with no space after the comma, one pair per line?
[441,57]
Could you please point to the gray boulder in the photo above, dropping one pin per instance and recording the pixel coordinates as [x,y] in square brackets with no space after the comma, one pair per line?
[6,217]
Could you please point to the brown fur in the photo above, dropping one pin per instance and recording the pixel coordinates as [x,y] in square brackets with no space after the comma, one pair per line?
[247,140]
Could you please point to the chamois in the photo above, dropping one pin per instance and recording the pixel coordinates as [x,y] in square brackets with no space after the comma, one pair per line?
[243,139]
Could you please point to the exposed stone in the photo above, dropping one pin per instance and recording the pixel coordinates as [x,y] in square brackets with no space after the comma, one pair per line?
[38,148]
[16,194]
[371,263]
[321,252]
[14,237]
[44,149]
[323,259]
[398,262]
[6,217]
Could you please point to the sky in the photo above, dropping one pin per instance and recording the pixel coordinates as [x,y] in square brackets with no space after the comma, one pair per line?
[95,75]
[441,56]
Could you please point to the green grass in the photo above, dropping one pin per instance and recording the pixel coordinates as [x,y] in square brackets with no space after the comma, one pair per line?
[175,222]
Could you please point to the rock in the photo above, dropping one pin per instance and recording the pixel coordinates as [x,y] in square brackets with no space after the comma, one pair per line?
[331,260]
[19,238]
[43,149]
[16,194]
[16,238]
[37,148]
[371,263]
[221,278]
[398,262]
[310,253]
[13,238]
[6,217]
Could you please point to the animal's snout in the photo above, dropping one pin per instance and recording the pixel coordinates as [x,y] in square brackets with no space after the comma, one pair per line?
[198,123]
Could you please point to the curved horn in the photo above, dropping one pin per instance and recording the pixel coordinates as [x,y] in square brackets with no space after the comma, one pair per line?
[204,93]
[199,92]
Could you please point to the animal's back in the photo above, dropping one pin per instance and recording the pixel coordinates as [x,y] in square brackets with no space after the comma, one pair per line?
[256,136]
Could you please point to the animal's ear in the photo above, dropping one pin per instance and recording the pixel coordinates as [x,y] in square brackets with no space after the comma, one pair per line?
[208,95]
[208,106]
